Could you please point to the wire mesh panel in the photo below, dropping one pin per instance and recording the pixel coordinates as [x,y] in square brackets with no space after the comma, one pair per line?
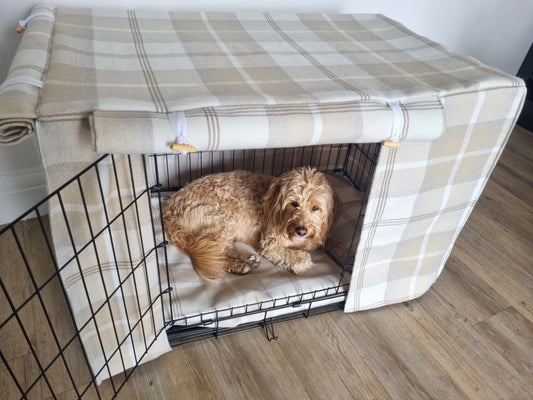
[65,320]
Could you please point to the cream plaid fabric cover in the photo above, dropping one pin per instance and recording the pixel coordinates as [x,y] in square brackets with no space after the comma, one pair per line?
[104,242]
[276,80]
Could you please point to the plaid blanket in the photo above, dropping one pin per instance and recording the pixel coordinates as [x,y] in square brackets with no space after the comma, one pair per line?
[114,78]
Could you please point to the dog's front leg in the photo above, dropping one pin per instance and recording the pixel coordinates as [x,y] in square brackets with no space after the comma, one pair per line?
[272,249]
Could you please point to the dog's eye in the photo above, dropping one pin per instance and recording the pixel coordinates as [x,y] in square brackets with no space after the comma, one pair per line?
[295,204]
[315,208]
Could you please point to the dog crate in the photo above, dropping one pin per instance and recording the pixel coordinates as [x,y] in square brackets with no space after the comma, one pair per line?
[407,132]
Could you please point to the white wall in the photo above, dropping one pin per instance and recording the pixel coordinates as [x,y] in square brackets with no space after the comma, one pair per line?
[497,32]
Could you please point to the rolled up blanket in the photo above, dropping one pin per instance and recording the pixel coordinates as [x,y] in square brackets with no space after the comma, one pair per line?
[258,126]
[21,91]
[15,130]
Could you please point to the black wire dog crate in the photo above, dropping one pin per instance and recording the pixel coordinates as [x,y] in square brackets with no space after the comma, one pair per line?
[42,334]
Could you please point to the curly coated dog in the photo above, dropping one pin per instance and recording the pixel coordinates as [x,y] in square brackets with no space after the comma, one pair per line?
[283,218]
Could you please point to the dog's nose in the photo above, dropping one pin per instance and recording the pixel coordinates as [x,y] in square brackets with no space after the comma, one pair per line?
[301,230]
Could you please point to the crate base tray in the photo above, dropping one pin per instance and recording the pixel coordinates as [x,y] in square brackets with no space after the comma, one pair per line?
[180,335]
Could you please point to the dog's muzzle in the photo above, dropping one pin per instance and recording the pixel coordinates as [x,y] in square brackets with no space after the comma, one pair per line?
[301,231]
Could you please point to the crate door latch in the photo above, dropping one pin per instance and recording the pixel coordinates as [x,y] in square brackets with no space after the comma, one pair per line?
[268,325]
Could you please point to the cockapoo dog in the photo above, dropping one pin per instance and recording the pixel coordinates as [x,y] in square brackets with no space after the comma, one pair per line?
[283,218]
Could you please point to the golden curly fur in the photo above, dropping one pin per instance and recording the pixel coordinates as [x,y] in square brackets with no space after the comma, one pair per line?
[282,217]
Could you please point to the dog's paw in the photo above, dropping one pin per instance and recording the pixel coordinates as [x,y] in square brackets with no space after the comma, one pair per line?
[302,264]
[240,267]
[253,261]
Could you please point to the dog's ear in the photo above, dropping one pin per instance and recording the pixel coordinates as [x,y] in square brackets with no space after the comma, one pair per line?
[273,203]
[334,209]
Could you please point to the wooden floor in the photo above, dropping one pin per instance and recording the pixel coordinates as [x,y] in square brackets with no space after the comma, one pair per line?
[469,337]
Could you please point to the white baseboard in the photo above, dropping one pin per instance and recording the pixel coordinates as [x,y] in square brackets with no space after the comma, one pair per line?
[19,191]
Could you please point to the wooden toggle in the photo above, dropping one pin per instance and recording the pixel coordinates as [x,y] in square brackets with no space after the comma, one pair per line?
[183,147]
[390,143]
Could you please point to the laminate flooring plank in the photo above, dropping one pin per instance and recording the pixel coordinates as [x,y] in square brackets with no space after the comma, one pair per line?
[497,241]
[511,335]
[471,298]
[322,356]
[440,344]
[519,148]
[500,379]
[507,210]
[53,326]
[520,143]
[17,292]
[397,357]
[508,245]
[511,281]
[174,377]
[19,336]
[465,366]
[247,367]
[93,392]
[242,366]
[514,169]
[8,387]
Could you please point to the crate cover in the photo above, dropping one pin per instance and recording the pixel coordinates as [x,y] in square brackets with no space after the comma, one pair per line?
[93,81]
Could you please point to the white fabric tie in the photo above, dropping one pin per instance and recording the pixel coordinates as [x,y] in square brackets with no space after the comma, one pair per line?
[44,13]
[178,123]
[22,79]
[398,122]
